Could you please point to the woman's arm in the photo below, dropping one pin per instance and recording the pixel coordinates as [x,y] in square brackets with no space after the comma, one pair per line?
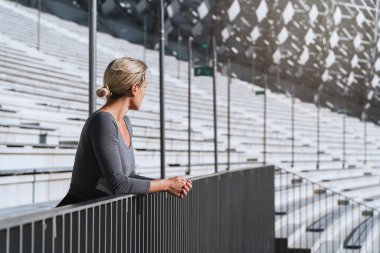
[160,185]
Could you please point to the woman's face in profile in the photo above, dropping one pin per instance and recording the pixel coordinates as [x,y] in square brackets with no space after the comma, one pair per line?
[139,96]
[142,91]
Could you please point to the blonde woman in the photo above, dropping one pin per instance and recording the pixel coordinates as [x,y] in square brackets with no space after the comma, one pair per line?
[104,162]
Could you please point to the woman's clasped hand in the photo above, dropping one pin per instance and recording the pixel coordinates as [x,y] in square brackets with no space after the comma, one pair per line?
[179,186]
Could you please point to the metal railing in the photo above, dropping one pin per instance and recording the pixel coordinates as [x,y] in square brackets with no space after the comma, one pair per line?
[312,217]
[225,212]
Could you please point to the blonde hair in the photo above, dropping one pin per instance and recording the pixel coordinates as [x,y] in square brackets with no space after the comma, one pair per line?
[120,75]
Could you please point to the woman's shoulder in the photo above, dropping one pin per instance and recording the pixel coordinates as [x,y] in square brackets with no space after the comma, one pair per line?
[101,119]
[101,115]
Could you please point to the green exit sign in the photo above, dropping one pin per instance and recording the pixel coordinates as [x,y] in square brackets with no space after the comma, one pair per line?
[203,71]
[204,45]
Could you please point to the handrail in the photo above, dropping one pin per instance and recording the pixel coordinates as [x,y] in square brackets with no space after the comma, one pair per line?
[224,212]
[8,222]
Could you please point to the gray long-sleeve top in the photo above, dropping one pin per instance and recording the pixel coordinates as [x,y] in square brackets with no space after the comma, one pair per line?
[104,165]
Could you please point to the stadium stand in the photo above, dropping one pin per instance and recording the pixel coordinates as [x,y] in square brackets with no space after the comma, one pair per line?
[44,105]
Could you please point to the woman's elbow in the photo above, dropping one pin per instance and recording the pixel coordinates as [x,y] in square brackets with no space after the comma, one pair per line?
[121,186]
[121,190]
[132,186]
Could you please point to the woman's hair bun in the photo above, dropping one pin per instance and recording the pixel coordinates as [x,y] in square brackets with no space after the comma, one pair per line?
[103,92]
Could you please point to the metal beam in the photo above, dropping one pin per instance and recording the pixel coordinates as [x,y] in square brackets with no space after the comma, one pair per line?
[293,123]
[265,120]
[145,38]
[214,64]
[92,17]
[344,136]
[229,115]
[162,86]
[190,65]
[179,49]
[39,26]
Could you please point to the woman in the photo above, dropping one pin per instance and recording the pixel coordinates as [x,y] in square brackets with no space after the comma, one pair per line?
[104,162]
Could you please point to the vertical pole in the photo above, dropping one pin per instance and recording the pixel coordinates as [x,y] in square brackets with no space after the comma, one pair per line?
[293,104]
[365,137]
[229,115]
[344,137]
[179,54]
[318,104]
[214,63]
[364,118]
[370,71]
[190,64]
[318,130]
[92,55]
[34,186]
[278,72]
[253,66]
[145,35]
[39,25]
[265,120]
[324,41]
[162,98]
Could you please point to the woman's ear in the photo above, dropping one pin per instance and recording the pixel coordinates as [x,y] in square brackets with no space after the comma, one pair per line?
[134,90]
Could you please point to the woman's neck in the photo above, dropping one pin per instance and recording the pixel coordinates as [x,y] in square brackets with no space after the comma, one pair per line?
[117,107]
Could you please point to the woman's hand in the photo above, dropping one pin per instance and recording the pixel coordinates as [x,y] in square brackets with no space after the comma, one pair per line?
[186,188]
[175,185]
[179,186]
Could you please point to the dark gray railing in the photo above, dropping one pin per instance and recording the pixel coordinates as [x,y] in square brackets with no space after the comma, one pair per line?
[225,212]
